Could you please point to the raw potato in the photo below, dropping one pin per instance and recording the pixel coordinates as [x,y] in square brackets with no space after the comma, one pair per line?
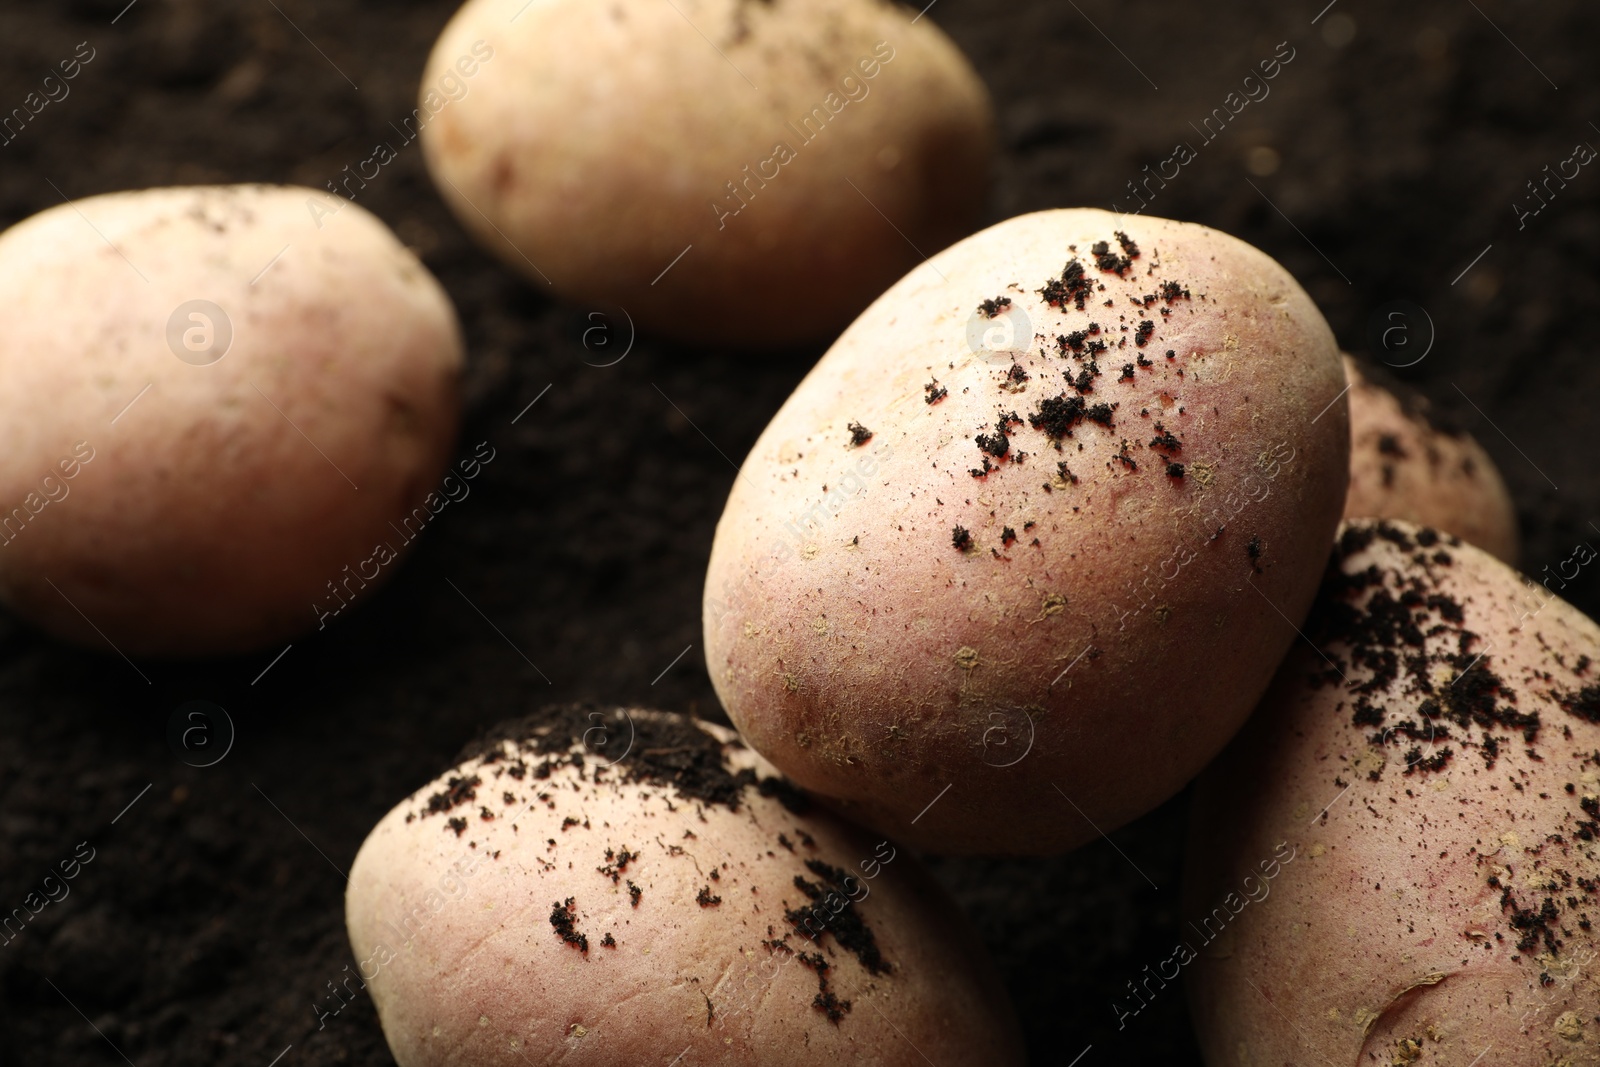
[626,886]
[1404,466]
[1434,784]
[590,146]
[174,503]
[1059,616]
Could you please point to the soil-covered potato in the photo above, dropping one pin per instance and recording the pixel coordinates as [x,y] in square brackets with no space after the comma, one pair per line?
[216,403]
[1032,532]
[624,886]
[1431,771]
[1406,464]
[729,171]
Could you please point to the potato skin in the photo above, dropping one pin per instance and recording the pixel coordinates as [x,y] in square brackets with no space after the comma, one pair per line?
[1137,616]
[592,169]
[1404,467]
[455,931]
[204,514]
[1435,905]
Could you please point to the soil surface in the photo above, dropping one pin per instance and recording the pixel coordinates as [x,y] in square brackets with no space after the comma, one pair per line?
[1390,161]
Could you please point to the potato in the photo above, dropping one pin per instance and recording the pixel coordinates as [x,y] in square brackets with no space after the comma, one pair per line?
[970,553]
[624,886]
[1405,465]
[730,172]
[1418,795]
[214,404]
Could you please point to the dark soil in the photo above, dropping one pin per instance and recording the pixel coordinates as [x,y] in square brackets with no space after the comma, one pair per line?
[209,921]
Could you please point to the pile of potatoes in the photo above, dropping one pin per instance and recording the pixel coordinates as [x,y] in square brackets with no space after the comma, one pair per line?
[1081,509]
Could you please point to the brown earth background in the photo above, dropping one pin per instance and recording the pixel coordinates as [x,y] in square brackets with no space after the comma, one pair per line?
[208,923]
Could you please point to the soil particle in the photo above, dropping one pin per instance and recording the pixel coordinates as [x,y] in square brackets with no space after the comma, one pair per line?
[1073,287]
[668,751]
[564,920]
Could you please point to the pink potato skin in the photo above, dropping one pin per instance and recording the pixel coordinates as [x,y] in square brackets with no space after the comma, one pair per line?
[1392,934]
[220,500]
[1067,681]
[592,170]
[1402,467]
[478,974]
